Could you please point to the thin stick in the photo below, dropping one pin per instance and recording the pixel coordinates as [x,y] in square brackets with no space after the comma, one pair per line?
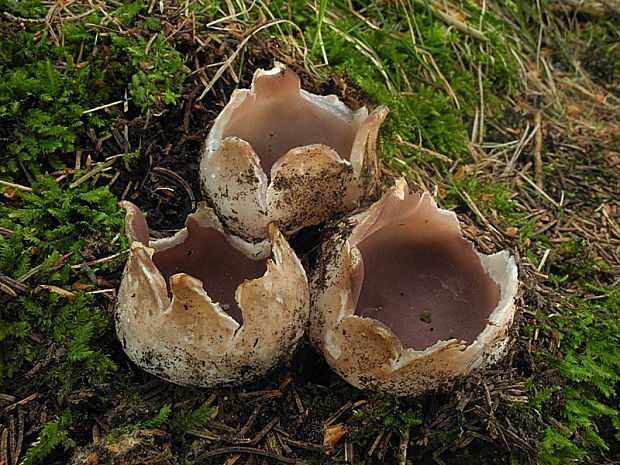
[305,445]
[250,422]
[538,174]
[8,408]
[19,187]
[462,27]
[477,211]
[402,448]
[106,164]
[256,439]
[98,261]
[7,289]
[107,105]
[423,150]
[232,460]
[538,189]
[233,55]
[20,435]
[180,180]
[480,136]
[246,450]
[4,448]
[338,413]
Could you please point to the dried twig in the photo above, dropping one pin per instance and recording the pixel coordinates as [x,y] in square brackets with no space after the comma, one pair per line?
[402,447]
[229,61]
[4,445]
[261,434]
[98,169]
[423,150]
[245,450]
[538,174]
[338,413]
[19,187]
[8,408]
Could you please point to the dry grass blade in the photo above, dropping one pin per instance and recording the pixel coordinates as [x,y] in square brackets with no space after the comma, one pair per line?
[451,21]
[15,186]
[230,60]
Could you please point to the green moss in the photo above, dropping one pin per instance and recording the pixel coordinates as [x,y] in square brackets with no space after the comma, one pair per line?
[53,434]
[557,449]
[31,9]
[45,94]
[157,421]
[129,10]
[491,198]
[425,71]
[381,414]
[154,69]
[588,359]
[184,420]
[41,102]
[50,230]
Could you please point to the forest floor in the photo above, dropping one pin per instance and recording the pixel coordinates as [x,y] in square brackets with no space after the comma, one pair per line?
[104,101]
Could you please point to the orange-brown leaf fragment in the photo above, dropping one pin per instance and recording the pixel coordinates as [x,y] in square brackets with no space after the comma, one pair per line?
[333,433]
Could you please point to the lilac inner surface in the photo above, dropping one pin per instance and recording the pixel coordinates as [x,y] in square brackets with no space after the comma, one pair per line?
[208,255]
[136,227]
[424,290]
[275,125]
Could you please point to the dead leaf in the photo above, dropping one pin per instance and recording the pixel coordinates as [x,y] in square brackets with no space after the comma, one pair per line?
[512,231]
[101,282]
[333,433]
[571,110]
[81,286]
[10,192]
[521,105]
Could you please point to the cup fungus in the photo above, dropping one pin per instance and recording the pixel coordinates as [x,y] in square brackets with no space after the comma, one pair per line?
[403,302]
[279,153]
[199,308]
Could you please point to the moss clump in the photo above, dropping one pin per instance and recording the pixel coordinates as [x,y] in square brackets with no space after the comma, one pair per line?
[43,234]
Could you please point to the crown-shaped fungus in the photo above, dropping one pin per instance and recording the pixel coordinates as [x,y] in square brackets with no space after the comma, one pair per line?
[199,308]
[402,300]
[278,153]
